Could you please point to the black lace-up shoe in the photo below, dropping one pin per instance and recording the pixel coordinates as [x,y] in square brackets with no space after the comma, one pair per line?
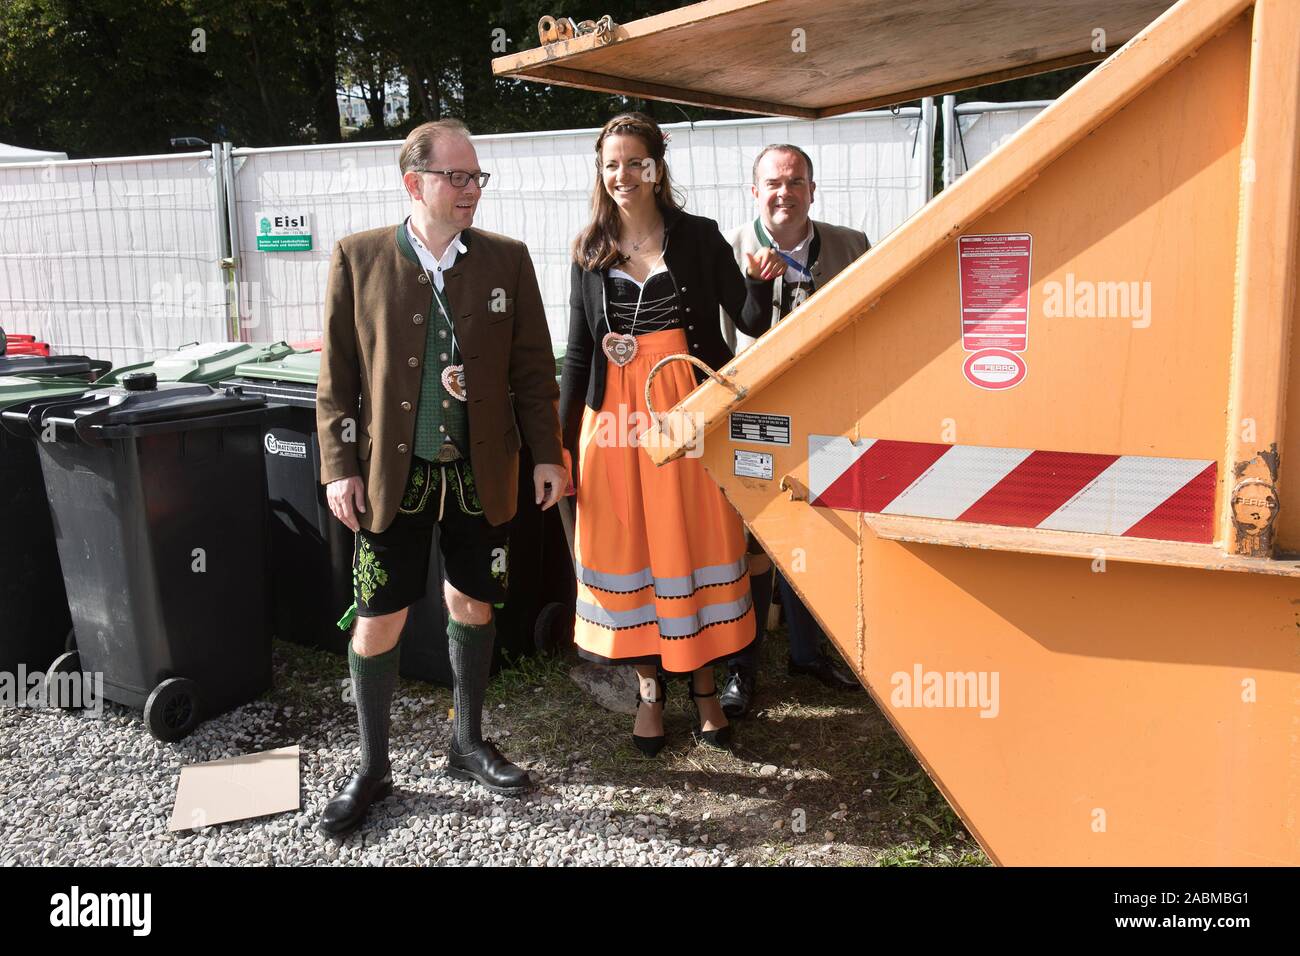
[484,764]
[348,808]
[738,695]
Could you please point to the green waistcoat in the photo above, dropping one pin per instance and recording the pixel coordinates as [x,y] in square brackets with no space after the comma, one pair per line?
[439,414]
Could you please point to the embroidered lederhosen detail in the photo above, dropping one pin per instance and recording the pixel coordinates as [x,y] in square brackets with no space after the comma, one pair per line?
[426,479]
[418,486]
[369,575]
[466,489]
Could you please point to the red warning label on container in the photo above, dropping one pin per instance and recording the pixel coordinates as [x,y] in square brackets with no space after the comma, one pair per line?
[994,274]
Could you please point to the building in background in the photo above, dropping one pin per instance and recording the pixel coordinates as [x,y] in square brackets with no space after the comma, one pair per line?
[354,112]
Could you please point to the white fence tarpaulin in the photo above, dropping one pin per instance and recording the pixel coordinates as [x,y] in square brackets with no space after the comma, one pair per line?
[973,130]
[871,171]
[112,258]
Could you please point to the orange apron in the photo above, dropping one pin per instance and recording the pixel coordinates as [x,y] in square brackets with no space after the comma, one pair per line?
[662,573]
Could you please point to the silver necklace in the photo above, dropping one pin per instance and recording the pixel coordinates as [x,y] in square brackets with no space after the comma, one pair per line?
[636,246]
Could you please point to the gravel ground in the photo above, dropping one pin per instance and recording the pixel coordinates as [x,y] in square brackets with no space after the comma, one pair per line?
[85,791]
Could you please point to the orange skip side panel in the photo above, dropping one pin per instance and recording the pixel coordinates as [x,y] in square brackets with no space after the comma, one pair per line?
[1145,714]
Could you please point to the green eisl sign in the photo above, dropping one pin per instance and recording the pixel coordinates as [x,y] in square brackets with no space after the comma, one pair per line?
[283,232]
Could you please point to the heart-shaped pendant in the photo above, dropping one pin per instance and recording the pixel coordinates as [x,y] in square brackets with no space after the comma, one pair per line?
[453,380]
[621,349]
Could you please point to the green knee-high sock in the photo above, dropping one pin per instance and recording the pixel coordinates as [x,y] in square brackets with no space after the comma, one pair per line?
[373,681]
[470,648]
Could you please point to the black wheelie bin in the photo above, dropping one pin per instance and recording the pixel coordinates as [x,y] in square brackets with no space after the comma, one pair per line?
[34,618]
[158,499]
[311,551]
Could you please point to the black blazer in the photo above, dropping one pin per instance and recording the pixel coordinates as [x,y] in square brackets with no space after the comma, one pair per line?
[703,268]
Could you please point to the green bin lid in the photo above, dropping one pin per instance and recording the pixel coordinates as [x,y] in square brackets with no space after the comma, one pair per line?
[205,363]
[15,390]
[302,367]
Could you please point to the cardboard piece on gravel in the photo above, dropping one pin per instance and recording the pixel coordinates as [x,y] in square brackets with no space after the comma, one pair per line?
[237,788]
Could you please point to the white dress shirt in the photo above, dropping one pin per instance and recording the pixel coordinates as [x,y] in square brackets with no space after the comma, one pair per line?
[435,267]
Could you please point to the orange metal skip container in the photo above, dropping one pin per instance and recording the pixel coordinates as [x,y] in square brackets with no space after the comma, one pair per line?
[1147,684]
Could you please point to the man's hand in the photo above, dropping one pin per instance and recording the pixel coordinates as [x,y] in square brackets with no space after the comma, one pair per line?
[767,265]
[345,494]
[550,482]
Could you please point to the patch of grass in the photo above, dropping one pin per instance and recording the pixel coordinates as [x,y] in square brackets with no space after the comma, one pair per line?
[923,854]
[904,855]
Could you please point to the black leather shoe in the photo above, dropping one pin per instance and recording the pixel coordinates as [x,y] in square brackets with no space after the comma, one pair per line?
[830,672]
[738,695]
[485,765]
[348,808]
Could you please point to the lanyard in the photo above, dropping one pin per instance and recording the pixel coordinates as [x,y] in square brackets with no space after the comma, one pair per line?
[437,298]
[438,294]
[791,261]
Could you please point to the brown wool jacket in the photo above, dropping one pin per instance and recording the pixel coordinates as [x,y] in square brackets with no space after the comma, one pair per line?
[377,306]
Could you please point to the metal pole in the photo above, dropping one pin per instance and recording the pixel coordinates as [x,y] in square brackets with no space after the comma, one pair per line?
[927,165]
[231,265]
[220,221]
[949,140]
[967,109]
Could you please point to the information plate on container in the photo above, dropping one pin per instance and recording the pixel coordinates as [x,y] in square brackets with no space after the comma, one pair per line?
[283,231]
[752,464]
[995,275]
[760,429]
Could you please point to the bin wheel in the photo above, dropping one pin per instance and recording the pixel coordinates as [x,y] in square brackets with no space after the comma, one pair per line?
[554,629]
[70,642]
[65,665]
[172,710]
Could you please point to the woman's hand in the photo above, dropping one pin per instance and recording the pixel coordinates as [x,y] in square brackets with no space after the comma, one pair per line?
[568,468]
[767,265]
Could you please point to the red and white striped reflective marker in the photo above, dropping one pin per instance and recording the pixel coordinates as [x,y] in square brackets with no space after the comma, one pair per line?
[1139,497]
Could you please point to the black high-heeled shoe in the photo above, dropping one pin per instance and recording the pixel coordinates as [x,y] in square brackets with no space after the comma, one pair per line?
[719,738]
[650,746]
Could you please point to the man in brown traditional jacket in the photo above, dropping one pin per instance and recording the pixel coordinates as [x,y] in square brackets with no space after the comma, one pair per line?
[430,326]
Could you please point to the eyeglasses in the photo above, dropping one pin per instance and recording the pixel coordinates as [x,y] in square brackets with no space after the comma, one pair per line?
[459,177]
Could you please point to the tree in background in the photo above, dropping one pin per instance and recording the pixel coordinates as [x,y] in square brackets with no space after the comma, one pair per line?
[111,77]
[368,57]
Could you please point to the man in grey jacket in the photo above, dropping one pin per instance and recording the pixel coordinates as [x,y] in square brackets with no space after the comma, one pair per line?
[812,252]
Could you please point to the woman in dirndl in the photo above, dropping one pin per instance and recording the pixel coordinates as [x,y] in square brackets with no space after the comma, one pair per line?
[660,555]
